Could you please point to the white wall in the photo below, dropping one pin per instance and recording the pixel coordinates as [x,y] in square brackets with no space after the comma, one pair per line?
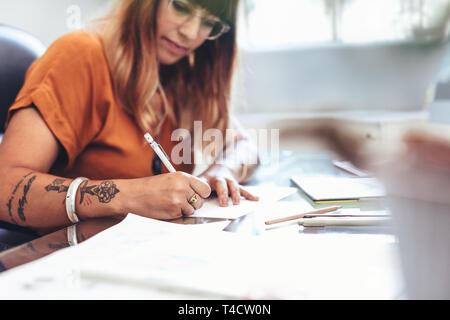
[49,19]
[389,76]
[301,79]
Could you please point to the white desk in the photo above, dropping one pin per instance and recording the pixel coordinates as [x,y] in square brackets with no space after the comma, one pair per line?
[288,263]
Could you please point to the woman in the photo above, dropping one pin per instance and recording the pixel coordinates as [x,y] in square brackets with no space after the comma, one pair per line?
[151,66]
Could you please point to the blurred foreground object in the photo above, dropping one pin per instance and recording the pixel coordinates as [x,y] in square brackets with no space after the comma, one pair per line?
[415,170]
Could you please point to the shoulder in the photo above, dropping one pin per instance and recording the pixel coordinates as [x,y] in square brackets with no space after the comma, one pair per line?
[81,41]
[77,46]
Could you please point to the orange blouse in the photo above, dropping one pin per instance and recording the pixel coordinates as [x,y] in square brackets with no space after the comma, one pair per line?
[71,87]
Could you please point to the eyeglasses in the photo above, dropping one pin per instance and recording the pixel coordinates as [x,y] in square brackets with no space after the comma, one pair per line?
[211,27]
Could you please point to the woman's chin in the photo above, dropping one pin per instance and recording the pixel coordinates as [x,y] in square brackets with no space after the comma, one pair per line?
[166,60]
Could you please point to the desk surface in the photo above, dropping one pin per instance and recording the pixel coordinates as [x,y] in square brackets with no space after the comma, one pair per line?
[274,171]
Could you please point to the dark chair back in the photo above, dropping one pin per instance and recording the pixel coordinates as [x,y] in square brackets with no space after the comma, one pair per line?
[18,50]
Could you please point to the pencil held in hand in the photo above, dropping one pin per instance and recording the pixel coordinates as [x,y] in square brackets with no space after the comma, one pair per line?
[299,216]
[159,152]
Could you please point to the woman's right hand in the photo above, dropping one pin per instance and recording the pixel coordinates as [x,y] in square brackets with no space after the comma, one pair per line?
[163,197]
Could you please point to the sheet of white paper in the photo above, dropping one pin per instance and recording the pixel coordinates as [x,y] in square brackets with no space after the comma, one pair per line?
[149,259]
[257,267]
[136,232]
[136,239]
[339,188]
[281,209]
[230,265]
[163,255]
[267,194]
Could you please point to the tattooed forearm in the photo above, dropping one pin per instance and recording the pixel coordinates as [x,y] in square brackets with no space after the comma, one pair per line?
[9,204]
[23,200]
[58,246]
[105,192]
[20,182]
[57,185]
[85,189]
[32,248]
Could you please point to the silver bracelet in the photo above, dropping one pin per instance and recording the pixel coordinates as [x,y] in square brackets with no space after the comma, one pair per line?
[72,235]
[71,198]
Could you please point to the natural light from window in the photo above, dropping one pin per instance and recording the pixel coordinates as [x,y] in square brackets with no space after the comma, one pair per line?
[280,23]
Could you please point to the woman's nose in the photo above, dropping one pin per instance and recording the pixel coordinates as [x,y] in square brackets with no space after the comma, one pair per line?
[191,27]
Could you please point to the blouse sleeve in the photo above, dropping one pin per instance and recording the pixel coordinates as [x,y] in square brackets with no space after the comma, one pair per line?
[66,86]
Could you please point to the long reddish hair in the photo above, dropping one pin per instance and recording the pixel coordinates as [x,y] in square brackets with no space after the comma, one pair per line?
[195,88]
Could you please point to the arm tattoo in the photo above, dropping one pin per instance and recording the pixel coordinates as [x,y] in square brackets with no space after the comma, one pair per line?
[9,204]
[105,192]
[23,200]
[85,189]
[58,246]
[32,248]
[57,185]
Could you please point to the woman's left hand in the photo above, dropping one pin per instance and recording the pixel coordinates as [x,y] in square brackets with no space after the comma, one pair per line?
[222,181]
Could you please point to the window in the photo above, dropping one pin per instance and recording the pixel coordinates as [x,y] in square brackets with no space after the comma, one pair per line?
[269,23]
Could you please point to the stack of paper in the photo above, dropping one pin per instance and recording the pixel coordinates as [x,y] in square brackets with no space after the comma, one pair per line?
[339,188]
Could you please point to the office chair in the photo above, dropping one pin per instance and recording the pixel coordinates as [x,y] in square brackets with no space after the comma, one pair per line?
[18,50]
